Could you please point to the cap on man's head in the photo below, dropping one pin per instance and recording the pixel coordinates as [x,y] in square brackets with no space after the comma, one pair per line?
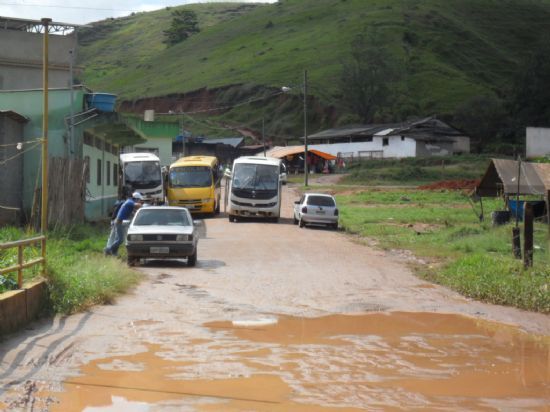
[137,195]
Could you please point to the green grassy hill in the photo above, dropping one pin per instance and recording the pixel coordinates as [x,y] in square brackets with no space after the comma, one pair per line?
[450,50]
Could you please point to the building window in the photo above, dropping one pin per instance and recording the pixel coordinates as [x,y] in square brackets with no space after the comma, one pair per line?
[108,173]
[115,174]
[385,141]
[87,170]
[361,139]
[99,172]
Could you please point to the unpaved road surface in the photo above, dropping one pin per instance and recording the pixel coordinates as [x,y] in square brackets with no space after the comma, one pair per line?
[277,318]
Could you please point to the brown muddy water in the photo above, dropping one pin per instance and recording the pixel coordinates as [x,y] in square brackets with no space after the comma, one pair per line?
[379,361]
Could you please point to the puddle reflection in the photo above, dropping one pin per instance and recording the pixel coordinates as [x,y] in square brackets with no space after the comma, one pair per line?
[369,362]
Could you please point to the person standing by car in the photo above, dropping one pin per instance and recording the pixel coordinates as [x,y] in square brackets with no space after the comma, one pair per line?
[116,236]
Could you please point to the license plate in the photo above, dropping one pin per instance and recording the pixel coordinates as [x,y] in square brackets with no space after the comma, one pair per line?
[157,249]
[320,212]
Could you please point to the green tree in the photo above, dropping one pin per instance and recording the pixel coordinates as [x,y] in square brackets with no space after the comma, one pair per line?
[482,118]
[531,94]
[368,78]
[184,24]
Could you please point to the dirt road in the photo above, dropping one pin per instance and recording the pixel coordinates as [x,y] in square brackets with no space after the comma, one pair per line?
[280,318]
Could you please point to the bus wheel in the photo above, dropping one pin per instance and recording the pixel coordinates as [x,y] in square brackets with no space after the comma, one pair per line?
[231,218]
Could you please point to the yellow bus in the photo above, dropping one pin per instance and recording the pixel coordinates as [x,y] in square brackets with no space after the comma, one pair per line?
[194,182]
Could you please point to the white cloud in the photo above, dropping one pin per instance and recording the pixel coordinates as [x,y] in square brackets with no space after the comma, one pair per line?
[80,12]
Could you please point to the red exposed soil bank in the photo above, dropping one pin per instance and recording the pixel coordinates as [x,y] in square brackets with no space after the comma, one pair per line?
[463,184]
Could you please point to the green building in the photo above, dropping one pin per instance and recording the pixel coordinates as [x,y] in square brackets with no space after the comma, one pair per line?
[86,154]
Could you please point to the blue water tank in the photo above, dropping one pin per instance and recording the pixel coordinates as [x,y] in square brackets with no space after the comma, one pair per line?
[104,102]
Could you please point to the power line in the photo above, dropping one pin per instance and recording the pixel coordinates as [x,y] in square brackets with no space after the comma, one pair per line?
[66,7]
[20,143]
[5,161]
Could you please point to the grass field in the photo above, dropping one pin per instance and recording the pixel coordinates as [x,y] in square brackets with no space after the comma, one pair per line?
[416,171]
[442,228]
[78,275]
[448,50]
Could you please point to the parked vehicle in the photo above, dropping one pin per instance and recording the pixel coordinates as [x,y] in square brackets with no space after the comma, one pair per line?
[141,172]
[316,208]
[194,182]
[162,232]
[254,188]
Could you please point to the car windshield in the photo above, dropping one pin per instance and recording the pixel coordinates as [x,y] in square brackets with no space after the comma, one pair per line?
[256,177]
[320,201]
[148,217]
[142,173]
[190,176]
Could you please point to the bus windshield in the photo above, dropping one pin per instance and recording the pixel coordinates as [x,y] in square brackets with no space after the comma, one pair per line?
[142,174]
[191,176]
[256,177]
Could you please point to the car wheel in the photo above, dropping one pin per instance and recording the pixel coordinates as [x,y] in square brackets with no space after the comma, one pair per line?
[192,260]
[275,220]
[301,223]
[132,261]
[231,218]
[334,226]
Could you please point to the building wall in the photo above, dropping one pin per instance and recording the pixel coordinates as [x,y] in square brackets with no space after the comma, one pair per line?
[396,147]
[161,146]
[11,172]
[538,142]
[462,145]
[21,59]
[29,104]
[102,187]
[424,149]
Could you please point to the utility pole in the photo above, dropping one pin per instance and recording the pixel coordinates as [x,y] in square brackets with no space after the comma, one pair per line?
[44,216]
[72,145]
[263,133]
[306,171]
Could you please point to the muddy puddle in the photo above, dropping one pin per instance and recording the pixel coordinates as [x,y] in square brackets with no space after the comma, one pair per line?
[379,361]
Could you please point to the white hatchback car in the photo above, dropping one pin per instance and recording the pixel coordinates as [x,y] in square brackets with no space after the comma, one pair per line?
[316,208]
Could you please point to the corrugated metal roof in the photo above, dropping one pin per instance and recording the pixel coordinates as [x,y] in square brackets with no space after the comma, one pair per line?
[501,177]
[14,116]
[429,128]
[231,141]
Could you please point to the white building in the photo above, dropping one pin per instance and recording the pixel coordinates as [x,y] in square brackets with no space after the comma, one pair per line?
[426,137]
[537,142]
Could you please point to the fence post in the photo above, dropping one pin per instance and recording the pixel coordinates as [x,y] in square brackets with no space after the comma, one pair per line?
[528,236]
[20,266]
[43,244]
[516,242]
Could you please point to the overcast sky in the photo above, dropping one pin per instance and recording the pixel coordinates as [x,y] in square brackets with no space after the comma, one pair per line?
[79,11]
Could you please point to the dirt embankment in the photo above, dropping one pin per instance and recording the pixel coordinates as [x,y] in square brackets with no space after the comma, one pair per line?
[202,99]
[462,184]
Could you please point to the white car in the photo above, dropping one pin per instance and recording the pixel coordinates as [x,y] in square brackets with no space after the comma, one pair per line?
[316,208]
[159,232]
